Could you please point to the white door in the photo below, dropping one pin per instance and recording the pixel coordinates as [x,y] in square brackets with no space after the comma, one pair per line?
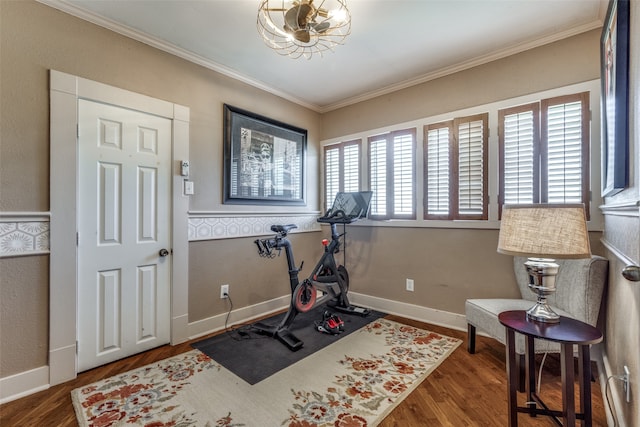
[124,176]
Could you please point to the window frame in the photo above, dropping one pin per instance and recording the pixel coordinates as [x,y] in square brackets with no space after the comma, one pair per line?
[596,218]
[454,168]
[389,137]
[540,146]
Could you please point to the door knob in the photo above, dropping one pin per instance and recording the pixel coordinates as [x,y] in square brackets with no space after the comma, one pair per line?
[163,252]
[632,273]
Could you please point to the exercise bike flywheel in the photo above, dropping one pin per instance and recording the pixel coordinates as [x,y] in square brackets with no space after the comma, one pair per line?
[304,296]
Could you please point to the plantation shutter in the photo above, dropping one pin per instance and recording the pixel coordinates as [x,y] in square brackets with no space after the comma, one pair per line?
[341,169]
[564,137]
[331,174]
[378,176]
[403,176]
[351,172]
[438,168]
[519,155]
[391,175]
[472,167]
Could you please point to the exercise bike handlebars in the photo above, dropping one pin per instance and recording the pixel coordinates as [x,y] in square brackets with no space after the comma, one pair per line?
[336,217]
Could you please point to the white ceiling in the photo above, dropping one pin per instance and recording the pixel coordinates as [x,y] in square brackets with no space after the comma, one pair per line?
[393,43]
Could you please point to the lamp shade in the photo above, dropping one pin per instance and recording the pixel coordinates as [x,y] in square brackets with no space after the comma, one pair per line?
[544,230]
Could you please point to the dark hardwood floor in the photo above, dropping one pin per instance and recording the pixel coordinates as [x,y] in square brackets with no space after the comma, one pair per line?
[465,390]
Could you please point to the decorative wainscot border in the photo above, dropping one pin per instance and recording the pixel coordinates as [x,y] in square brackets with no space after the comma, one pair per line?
[207,226]
[24,234]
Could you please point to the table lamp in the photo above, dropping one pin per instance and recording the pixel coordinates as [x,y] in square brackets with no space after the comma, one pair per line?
[544,232]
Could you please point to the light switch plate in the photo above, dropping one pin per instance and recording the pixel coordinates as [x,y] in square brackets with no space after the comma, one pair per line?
[188,188]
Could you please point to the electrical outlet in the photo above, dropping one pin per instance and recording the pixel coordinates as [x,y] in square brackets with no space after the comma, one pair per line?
[410,285]
[224,291]
[626,386]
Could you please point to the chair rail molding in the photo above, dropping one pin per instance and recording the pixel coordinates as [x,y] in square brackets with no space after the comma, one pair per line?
[619,218]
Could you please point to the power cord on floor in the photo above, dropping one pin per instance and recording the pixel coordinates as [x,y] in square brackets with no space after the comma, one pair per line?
[606,395]
[539,379]
[237,332]
[540,372]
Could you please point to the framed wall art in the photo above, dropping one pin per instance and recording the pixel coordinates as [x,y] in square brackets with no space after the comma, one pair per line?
[614,57]
[264,160]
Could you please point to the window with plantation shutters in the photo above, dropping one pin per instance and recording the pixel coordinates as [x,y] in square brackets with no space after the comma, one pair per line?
[544,151]
[392,175]
[341,169]
[456,168]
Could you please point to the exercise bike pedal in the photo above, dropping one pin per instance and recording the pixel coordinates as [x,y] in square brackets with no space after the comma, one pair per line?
[353,309]
[290,340]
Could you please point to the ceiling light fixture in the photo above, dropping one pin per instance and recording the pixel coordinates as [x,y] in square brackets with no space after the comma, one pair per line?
[300,28]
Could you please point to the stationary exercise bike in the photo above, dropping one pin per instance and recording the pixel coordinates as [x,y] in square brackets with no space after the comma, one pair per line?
[331,279]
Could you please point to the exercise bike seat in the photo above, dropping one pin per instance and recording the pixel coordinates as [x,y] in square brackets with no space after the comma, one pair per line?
[283,229]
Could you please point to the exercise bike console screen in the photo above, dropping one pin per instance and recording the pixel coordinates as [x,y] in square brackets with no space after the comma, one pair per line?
[348,207]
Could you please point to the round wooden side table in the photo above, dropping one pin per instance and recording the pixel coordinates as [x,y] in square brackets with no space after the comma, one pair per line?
[568,332]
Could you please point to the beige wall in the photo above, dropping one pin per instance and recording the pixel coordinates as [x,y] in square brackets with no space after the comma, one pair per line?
[24,313]
[251,279]
[555,65]
[447,265]
[622,237]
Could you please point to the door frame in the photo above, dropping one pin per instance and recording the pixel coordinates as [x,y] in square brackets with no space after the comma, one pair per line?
[65,90]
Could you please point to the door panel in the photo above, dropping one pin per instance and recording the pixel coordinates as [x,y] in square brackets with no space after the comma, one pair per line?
[124,222]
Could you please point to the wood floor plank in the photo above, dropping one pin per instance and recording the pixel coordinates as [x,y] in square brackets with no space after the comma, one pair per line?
[465,390]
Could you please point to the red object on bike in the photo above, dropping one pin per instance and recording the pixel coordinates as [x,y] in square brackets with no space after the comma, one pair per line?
[330,324]
[325,242]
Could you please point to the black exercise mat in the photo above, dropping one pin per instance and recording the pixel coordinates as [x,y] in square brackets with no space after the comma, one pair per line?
[253,356]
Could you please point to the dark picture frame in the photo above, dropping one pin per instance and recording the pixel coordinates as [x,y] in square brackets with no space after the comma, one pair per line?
[264,160]
[614,59]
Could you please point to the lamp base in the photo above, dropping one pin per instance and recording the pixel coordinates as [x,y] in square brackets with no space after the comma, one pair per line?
[542,281]
[541,312]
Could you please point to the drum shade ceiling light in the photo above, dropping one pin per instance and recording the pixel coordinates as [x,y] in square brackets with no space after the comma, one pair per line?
[302,28]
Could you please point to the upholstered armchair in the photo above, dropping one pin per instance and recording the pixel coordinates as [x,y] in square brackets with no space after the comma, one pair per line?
[580,285]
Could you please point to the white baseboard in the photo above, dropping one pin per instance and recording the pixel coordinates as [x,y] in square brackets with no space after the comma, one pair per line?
[179,329]
[243,315]
[613,391]
[411,311]
[23,384]
[424,314]
[62,364]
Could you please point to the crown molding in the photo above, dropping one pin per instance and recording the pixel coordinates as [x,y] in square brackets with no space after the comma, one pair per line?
[96,19]
[481,60]
[162,45]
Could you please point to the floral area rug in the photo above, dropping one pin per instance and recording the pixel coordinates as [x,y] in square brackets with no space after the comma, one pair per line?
[354,382]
